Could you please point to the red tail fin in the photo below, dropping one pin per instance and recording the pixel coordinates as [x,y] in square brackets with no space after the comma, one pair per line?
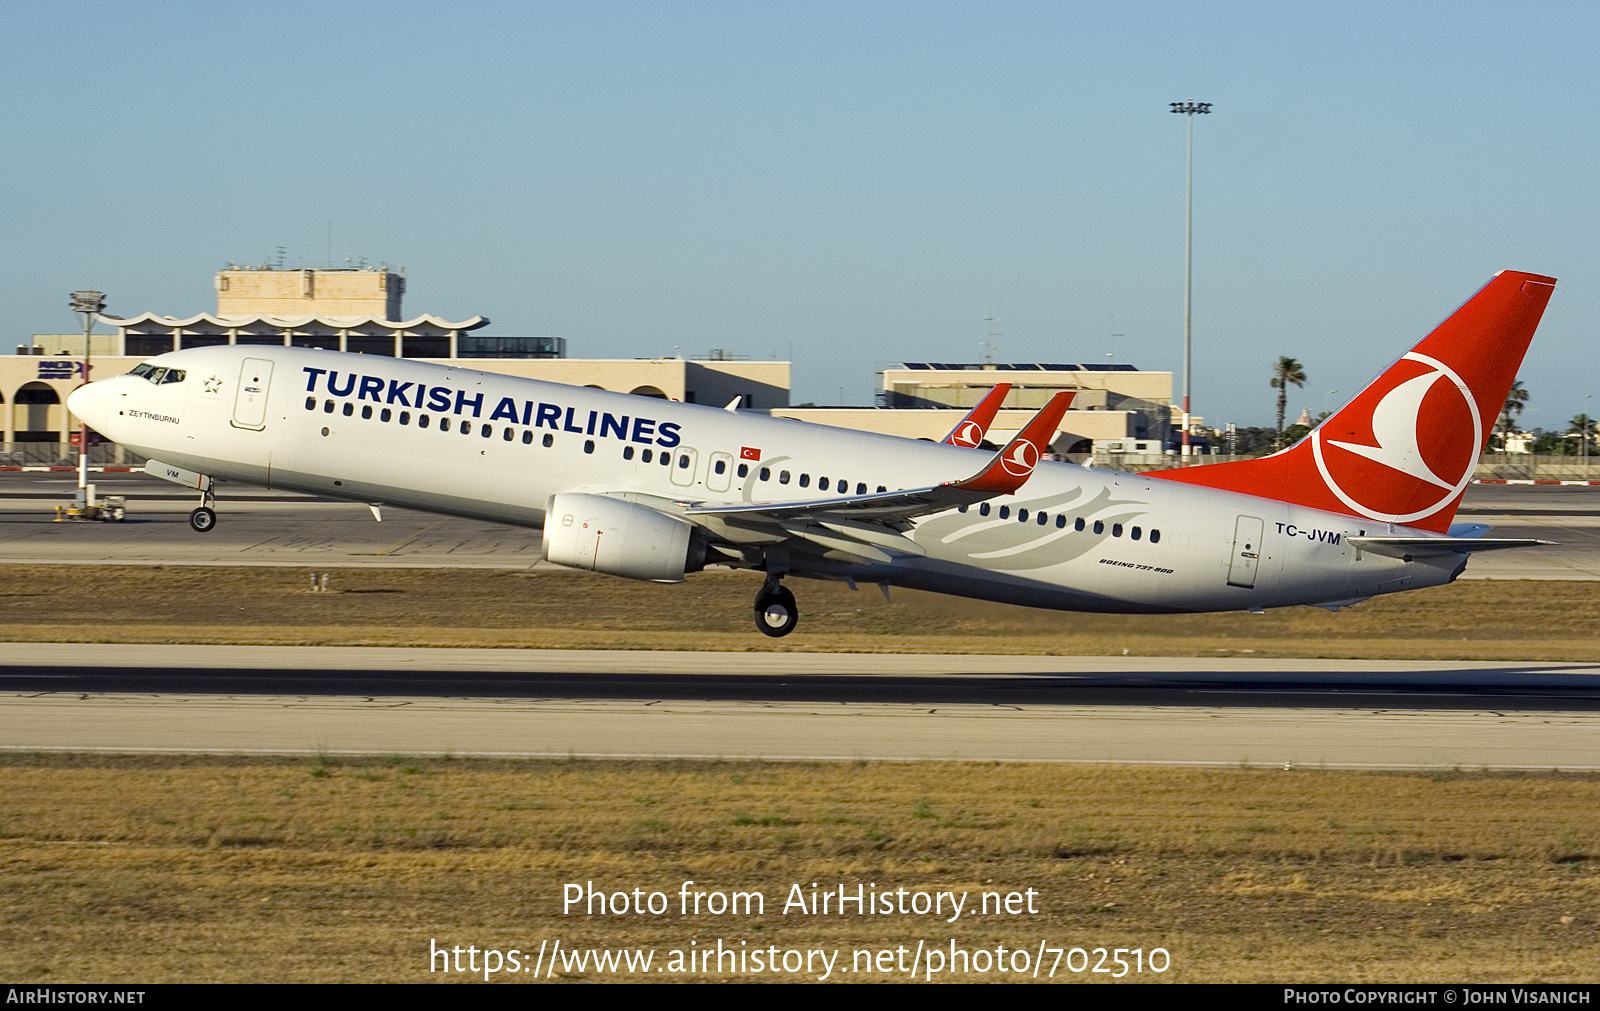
[975,426]
[1403,450]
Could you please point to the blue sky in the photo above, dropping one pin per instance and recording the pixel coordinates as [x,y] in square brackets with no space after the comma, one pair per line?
[848,184]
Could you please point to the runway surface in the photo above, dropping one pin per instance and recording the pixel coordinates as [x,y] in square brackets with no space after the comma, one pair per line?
[1389,714]
[726,705]
[260,527]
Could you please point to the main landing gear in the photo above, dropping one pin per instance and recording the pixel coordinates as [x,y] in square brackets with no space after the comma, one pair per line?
[205,517]
[776,612]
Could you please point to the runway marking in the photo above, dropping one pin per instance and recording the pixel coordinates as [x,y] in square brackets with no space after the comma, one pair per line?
[402,542]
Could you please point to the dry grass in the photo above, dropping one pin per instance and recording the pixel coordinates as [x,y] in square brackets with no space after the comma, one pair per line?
[170,869]
[444,607]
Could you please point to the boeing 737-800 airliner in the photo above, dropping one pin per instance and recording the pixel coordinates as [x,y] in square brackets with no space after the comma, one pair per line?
[651,489]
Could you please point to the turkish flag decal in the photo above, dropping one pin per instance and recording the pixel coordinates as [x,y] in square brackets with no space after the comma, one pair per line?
[747,453]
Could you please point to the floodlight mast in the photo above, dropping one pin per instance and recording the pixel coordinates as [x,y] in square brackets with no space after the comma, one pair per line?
[1188,109]
[87,304]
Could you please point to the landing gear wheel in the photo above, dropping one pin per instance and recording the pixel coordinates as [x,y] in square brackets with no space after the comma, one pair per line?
[203,519]
[776,613]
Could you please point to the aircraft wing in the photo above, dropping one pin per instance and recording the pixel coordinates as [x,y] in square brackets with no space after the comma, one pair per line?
[864,525]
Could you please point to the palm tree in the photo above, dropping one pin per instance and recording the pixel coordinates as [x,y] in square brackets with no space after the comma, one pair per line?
[1516,400]
[1583,427]
[1286,371]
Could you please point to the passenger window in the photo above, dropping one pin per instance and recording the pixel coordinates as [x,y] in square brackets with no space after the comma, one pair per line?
[349,409]
[488,430]
[1155,537]
[861,489]
[822,484]
[744,470]
[666,459]
[422,421]
[627,452]
[1043,519]
[509,434]
[983,509]
[1022,515]
[527,437]
[961,508]
[386,415]
[1061,523]
[1099,527]
[646,456]
[1116,530]
[1005,512]
[766,473]
[405,417]
[1077,524]
[366,412]
[783,477]
[881,489]
[311,403]
[805,480]
[588,445]
[683,461]
[1135,532]
[327,407]
[549,440]
[722,466]
[466,427]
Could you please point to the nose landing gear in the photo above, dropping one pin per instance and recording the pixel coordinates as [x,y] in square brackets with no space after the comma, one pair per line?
[204,518]
[776,612]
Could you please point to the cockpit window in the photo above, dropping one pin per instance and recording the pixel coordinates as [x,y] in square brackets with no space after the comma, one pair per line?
[157,374]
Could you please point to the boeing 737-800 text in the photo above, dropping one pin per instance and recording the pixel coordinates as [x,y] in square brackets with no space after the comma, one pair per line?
[652,489]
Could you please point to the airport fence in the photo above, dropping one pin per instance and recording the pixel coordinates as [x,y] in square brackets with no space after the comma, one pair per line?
[1492,467]
[54,454]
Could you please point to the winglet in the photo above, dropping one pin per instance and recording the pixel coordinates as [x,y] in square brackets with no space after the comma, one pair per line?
[1012,466]
[972,429]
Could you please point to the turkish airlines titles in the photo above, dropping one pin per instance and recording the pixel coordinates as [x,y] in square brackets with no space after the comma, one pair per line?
[441,400]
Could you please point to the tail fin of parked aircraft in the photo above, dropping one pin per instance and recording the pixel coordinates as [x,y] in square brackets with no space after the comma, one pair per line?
[972,429]
[1404,449]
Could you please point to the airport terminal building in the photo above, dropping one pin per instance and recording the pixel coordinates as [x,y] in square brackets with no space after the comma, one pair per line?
[1118,410]
[355,310]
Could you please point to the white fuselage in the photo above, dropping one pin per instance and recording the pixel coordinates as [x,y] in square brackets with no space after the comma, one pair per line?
[493,447]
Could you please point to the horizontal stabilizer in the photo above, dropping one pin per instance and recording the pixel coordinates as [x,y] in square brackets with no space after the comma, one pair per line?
[1433,547]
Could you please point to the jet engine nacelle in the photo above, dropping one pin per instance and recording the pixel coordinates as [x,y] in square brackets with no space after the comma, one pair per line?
[611,535]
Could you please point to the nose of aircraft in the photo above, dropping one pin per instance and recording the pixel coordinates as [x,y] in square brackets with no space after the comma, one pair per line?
[90,403]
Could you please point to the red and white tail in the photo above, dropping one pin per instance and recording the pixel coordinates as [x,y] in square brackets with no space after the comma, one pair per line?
[1404,449]
[972,429]
[1014,464]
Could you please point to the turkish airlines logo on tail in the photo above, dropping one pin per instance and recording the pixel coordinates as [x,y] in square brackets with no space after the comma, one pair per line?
[1413,438]
[968,436]
[1020,461]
